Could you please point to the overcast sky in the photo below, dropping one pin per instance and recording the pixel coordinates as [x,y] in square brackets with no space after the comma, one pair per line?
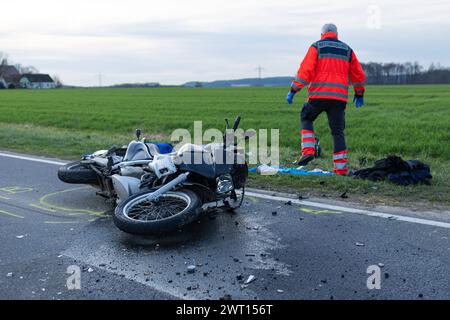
[175,41]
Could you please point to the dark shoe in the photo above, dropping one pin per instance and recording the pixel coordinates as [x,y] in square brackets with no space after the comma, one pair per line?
[304,160]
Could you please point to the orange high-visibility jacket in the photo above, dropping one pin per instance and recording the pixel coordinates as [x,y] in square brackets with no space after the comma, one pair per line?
[327,69]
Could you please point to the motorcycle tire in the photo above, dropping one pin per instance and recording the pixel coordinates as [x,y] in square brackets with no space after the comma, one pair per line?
[77,173]
[173,210]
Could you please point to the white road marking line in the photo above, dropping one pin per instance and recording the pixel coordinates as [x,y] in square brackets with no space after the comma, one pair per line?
[352,210]
[300,202]
[32,159]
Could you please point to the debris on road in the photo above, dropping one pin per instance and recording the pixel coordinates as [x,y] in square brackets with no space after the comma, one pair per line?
[359,244]
[280,291]
[274,213]
[21,236]
[90,270]
[191,269]
[250,279]
[239,277]
[9,274]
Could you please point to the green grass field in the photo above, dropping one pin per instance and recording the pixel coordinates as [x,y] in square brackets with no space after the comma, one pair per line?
[410,121]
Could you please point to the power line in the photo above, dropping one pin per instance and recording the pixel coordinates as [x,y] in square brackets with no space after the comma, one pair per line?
[259,69]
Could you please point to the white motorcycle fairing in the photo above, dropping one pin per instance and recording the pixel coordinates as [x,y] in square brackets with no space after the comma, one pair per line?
[125,187]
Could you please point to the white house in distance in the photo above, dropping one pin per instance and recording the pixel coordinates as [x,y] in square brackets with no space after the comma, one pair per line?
[37,81]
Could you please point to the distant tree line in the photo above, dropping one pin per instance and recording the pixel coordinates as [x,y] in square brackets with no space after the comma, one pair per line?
[405,73]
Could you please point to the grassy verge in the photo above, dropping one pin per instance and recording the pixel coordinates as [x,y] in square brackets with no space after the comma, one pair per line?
[410,121]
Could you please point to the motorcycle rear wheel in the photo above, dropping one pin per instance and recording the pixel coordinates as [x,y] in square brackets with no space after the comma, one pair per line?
[77,173]
[173,210]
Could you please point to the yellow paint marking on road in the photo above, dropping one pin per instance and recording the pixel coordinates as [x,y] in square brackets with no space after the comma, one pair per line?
[252,199]
[43,201]
[61,222]
[315,211]
[15,189]
[11,214]
[42,208]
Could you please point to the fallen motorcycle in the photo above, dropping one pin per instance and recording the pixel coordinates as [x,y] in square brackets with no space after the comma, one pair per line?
[176,187]
[97,169]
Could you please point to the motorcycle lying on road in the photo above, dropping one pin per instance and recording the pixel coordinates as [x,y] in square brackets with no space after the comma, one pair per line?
[156,191]
[177,187]
[97,169]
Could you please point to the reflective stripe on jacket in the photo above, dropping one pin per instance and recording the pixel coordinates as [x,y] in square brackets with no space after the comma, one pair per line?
[327,68]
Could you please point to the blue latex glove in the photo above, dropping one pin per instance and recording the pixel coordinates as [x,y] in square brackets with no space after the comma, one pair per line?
[359,101]
[290,97]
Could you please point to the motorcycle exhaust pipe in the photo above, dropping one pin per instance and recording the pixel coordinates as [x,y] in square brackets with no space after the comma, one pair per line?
[165,188]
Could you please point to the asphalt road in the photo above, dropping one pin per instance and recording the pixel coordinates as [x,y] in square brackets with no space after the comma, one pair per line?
[294,251]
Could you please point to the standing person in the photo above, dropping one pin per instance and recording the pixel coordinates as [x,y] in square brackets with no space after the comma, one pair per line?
[326,69]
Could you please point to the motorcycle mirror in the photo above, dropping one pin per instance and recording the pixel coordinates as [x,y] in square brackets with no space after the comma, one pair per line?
[138,133]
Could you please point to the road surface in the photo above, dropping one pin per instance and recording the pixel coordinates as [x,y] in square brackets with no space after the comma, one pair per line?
[295,249]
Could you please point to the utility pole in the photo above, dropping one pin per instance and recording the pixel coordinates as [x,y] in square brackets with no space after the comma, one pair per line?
[259,69]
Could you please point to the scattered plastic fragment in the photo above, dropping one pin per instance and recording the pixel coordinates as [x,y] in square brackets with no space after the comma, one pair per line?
[250,279]
[191,269]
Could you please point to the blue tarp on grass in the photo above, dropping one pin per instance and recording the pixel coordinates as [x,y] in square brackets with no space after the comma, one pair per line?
[297,172]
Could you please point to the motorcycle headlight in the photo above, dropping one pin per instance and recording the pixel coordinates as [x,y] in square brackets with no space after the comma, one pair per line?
[224,184]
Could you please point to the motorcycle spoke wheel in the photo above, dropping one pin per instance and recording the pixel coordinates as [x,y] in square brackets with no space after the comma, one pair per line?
[168,205]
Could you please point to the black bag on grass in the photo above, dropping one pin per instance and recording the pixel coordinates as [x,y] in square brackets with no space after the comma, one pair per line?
[397,171]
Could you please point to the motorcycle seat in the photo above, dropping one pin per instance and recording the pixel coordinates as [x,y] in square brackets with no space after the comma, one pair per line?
[153,149]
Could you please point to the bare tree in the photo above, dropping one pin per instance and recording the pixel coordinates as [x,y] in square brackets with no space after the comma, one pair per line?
[3,58]
[57,81]
[26,69]
[405,73]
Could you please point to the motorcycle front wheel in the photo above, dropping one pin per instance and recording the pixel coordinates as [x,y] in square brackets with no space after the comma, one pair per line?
[173,210]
